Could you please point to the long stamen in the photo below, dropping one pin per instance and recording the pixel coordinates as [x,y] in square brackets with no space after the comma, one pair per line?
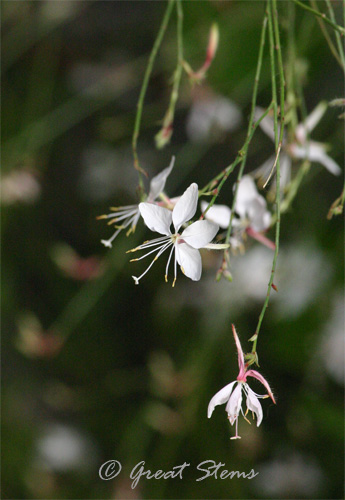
[167,267]
[161,250]
[149,243]
[117,218]
[151,251]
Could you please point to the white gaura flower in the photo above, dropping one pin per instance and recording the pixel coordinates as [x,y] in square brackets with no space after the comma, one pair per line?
[232,393]
[300,148]
[251,207]
[130,214]
[186,244]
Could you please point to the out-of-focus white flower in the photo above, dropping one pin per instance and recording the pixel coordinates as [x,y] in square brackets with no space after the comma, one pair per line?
[20,186]
[332,345]
[63,448]
[129,215]
[187,244]
[254,218]
[301,148]
[233,396]
[293,476]
[212,116]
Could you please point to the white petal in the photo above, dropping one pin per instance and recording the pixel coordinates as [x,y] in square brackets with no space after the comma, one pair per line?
[233,407]
[158,182]
[156,218]
[198,234]
[185,208]
[315,152]
[220,398]
[259,217]
[245,194]
[267,124]
[311,121]
[253,404]
[219,214]
[190,261]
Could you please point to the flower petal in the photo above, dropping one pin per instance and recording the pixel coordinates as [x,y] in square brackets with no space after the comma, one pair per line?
[190,260]
[233,407]
[260,378]
[219,214]
[220,398]
[239,353]
[267,124]
[158,182]
[311,121]
[253,404]
[245,194]
[198,234]
[315,152]
[260,218]
[185,208]
[156,218]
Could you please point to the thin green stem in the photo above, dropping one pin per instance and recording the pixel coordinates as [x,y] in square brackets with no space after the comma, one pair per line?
[222,177]
[250,124]
[164,135]
[335,26]
[143,90]
[326,35]
[337,36]
[278,141]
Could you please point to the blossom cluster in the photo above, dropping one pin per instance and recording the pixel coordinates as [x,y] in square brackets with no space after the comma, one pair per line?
[186,238]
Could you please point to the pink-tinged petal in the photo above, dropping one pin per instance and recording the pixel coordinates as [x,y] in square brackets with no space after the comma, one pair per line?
[200,233]
[189,260]
[260,378]
[156,218]
[233,407]
[261,238]
[240,354]
[246,193]
[253,404]
[185,208]
[158,181]
[219,214]
[220,398]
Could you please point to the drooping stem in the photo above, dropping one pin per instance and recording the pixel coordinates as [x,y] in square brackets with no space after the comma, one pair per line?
[274,38]
[143,90]
[250,124]
[163,136]
[242,154]
[335,26]
[326,35]
[337,36]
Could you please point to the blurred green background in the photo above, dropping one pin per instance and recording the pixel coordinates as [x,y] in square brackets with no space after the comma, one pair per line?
[95,368]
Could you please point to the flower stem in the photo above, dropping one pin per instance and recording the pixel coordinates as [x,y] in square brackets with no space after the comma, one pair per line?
[164,135]
[143,90]
[337,36]
[274,44]
[335,26]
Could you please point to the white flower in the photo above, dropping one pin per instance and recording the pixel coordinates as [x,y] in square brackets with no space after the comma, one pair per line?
[210,117]
[254,218]
[233,397]
[301,148]
[186,245]
[129,215]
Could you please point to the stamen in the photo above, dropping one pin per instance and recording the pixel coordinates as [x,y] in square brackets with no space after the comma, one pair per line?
[160,251]
[168,263]
[164,246]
